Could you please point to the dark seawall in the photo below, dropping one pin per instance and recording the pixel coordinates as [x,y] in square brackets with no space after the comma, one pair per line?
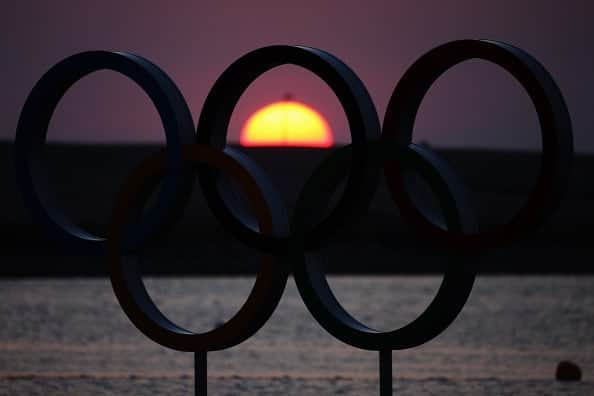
[86,179]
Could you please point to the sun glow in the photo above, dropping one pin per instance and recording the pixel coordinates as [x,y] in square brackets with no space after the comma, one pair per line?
[286,123]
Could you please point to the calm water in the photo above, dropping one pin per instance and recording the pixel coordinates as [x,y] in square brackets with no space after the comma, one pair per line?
[69,337]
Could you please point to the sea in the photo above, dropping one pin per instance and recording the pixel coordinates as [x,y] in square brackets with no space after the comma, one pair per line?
[69,336]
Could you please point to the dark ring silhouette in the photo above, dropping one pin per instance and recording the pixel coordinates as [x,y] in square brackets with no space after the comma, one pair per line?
[459,271]
[127,280]
[362,118]
[32,129]
[294,242]
[555,124]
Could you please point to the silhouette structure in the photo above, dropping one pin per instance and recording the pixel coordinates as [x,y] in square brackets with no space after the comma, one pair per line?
[288,243]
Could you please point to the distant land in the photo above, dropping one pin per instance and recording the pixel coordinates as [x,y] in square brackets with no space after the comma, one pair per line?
[86,178]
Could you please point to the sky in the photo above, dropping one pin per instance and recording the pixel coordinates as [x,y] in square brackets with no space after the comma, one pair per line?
[475,105]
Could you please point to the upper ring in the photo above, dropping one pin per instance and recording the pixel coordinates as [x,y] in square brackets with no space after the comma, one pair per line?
[555,126]
[32,131]
[363,123]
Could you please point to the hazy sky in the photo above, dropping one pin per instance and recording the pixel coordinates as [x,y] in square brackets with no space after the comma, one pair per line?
[474,105]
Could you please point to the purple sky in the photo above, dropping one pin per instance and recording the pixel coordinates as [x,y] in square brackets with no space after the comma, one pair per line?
[474,105]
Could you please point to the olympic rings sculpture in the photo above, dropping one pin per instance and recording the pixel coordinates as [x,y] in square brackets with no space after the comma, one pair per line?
[288,242]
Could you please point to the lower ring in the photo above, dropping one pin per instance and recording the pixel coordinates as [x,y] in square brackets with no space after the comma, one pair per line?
[127,281]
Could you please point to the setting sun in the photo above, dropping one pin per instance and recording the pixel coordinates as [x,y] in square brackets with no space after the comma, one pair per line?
[286,123]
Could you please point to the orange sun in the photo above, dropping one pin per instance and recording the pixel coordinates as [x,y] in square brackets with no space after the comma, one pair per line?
[286,123]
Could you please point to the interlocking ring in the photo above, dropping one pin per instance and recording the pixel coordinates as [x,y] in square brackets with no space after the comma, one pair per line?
[126,277]
[555,126]
[289,243]
[32,130]
[459,272]
[361,115]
